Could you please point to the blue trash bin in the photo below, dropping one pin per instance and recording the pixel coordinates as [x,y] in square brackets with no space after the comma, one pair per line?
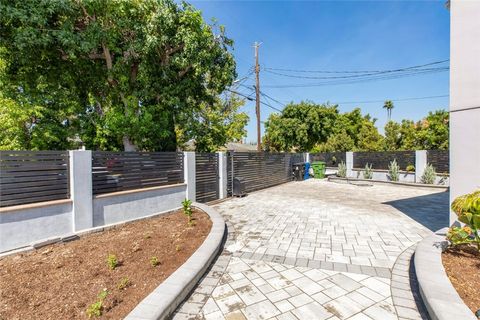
[307,168]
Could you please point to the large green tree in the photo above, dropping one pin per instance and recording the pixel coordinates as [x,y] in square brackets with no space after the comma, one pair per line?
[119,74]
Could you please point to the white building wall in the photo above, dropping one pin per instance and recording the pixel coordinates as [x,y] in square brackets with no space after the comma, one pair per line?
[464,98]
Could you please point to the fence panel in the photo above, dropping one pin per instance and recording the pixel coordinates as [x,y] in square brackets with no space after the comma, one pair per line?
[440,159]
[332,159]
[120,171]
[260,170]
[33,176]
[206,177]
[381,160]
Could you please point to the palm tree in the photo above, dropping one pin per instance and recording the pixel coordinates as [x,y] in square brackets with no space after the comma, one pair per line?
[388,104]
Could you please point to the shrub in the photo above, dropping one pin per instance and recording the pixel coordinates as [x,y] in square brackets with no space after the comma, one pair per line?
[154,261]
[95,309]
[187,209]
[410,168]
[394,170]
[467,208]
[112,261]
[342,170]
[124,282]
[429,175]
[368,173]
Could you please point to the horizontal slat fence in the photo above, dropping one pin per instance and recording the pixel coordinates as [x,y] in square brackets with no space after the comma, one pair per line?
[260,170]
[439,159]
[120,171]
[206,177]
[33,176]
[381,160]
[331,159]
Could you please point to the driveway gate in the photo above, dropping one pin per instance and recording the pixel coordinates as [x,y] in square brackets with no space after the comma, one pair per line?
[206,176]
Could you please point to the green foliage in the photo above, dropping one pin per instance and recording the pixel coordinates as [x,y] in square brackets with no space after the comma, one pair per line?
[111,75]
[342,170]
[154,261]
[467,208]
[368,173]
[410,168]
[393,170]
[112,261]
[429,175]
[124,283]
[187,209]
[95,309]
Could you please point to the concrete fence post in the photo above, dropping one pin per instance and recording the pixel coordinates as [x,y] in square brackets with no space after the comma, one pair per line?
[420,164]
[81,189]
[349,163]
[307,157]
[222,175]
[189,174]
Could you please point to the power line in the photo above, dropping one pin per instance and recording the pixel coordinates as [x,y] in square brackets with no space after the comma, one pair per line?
[360,71]
[252,99]
[274,100]
[401,99]
[276,109]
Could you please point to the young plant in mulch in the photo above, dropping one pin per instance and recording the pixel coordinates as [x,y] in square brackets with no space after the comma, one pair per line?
[187,210]
[123,284]
[429,175]
[394,170]
[95,309]
[342,170]
[467,208]
[154,261]
[112,261]
[368,173]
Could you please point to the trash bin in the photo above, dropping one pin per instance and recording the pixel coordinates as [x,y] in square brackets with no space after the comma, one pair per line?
[306,174]
[238,187]
[318,169]
[298,170]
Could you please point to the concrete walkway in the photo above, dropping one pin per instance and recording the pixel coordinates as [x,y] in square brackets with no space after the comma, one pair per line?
[319,250]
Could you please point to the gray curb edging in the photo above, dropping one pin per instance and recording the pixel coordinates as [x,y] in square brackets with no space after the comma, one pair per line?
[163,301]
[438,294]
[397,183]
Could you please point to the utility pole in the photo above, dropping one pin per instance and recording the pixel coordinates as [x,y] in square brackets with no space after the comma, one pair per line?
[257,95]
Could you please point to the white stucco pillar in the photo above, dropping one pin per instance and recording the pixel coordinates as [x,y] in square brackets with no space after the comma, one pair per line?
[189,174]
[420,164]
[81,189]
[306,156]
[349,163]
[464,98]
[222,174]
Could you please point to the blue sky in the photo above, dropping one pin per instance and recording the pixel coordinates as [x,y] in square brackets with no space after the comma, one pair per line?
[340,35]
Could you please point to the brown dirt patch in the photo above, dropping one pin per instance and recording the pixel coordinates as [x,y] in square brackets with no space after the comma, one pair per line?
[462,265]
[61,281]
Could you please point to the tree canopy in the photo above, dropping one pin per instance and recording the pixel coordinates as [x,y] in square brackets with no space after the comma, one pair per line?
[112,75]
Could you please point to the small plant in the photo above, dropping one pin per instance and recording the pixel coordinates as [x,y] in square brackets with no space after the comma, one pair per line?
[178,248]
[467,208]
[187,209]
[410,168]
[112,261]
[154,261]
[394,170]
[368,173]
[95,309]
[124,282]
[429,175]
[342,170]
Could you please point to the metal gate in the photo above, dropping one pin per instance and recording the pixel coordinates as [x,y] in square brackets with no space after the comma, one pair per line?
[206,177]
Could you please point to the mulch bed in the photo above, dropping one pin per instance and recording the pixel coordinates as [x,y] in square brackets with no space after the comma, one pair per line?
[61,281]
[462,265]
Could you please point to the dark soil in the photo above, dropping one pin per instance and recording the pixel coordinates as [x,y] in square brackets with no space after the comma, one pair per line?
[61,281]
[462,265]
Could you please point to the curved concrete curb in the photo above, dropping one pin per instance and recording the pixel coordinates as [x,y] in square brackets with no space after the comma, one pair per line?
[371,181]
[167,296]
[439,296]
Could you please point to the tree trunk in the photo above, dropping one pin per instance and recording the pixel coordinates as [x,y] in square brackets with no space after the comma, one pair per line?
[128,145]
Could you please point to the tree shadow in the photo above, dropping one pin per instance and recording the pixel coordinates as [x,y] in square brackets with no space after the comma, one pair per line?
[432,210]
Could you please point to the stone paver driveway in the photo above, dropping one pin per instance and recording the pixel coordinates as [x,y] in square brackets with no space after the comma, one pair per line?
[319,250]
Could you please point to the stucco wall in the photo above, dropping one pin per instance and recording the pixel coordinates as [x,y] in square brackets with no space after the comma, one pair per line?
[464,97]
[19,228]
[122,206]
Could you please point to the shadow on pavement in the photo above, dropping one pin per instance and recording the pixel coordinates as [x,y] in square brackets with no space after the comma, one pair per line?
[431,210]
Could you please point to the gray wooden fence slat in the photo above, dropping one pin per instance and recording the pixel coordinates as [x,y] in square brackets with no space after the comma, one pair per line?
[206,177]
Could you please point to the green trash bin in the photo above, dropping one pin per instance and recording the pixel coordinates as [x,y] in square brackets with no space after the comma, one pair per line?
[318,169]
